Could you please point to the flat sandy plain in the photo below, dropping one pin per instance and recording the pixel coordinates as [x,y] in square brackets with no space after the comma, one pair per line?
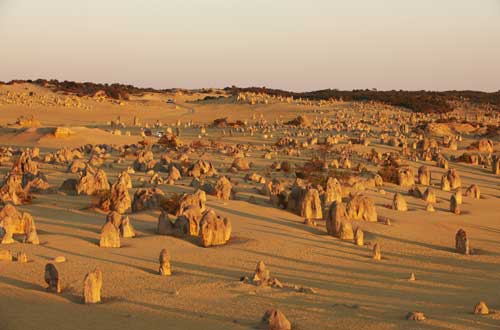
[352,291]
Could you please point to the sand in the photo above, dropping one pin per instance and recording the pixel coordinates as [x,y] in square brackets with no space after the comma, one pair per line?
[352,291]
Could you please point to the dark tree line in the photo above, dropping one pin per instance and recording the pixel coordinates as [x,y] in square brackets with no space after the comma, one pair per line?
[418,101]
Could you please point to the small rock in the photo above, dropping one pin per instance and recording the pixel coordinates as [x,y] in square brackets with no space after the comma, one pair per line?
[274,319]
[481,308]
[22,257]
[59,259]
[415,316]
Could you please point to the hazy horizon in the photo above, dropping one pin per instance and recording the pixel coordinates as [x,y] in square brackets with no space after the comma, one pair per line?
[292,45]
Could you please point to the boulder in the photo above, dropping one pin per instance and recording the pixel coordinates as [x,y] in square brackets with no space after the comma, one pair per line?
[333,191]
[359,237]
[399,203]
[92,285]
[473,191]
[222,189]
[361,207]
[214,230]
[454,205]
[164,263]
[445,183]
[110,236]
[429,195]
[481,308]
[310,206]
[337,214]
[274,319]
[261,275]
[346,232]
[424,175]
[15,223]
[119,197]
[415,316]
[462,244]
[126,228]
[147,198]
[52,278]
[406,178]
[377,254]
[454,178]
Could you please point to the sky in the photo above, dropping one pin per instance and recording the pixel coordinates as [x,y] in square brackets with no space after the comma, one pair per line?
[295,45]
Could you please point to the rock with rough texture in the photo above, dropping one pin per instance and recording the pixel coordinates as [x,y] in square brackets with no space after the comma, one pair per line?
[454,178]
[164,260]
[377,254]
[310,206]
[346,232]
[336,215]
[110,236]
[473,191]
[144,199]
[454,205]
[126,228]
[445,183]
[214,230]
[481,308]
[222,189]
[198,199]
[361,207]
[406,178]
[399,203]
[15,223]
[359,237]
[22,257]
[201,168]
[12,191]
[333,192]
[496,166]
[171,225]
[192,215]
[52,278]
[429,195]
[91,182]
[424,175]
[261,275]
[415,316]
[119,197]
[274,319]
[92,285]
[462,244]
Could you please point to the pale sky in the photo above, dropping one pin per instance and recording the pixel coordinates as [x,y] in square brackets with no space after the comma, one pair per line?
[288,44]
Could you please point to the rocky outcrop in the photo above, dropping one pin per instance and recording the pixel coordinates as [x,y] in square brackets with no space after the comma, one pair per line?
[110,236]
[399,203]
[336,216]
[223,188]
[361,207]
[214,230]
[310,205]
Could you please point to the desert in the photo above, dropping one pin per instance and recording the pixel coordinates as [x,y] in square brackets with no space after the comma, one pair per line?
[154,214]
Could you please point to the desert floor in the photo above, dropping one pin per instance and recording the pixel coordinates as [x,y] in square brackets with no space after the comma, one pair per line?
[352,291]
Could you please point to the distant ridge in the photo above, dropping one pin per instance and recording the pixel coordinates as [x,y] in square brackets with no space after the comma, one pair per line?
[418,101]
